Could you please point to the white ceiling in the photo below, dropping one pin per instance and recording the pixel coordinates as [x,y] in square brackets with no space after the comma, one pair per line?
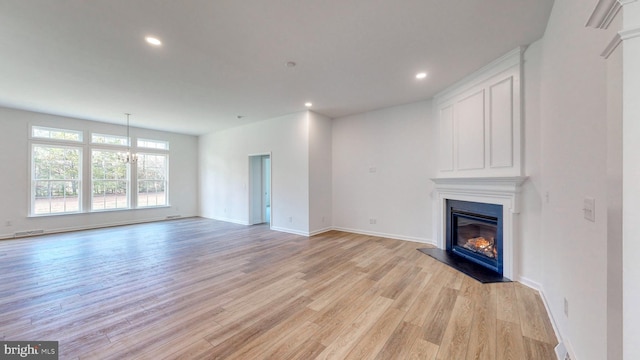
[220,59]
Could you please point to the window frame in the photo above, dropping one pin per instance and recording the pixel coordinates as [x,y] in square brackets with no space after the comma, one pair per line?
[166,179]
[115,149]
[100,144]
[86,147]
[163,142]
[32,177]
[33,128]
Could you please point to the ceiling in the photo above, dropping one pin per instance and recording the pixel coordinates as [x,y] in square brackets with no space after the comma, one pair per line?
[227,58]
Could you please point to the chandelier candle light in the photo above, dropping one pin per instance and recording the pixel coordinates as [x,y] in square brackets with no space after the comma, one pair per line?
[129,157]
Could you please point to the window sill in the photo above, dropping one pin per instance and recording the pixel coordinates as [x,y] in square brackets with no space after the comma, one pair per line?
[98,211]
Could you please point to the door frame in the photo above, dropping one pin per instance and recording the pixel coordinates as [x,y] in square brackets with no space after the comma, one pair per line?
[252,179]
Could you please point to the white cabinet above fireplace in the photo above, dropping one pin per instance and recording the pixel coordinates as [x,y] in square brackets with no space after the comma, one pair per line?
[480,122]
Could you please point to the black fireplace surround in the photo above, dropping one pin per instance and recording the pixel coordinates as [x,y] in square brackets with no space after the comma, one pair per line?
[474,232]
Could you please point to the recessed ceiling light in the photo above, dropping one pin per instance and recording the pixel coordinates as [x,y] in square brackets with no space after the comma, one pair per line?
[421,75]
[308,104]
[153,41]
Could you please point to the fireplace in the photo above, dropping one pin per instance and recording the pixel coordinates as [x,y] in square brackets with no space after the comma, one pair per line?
[474,231]
[503,192]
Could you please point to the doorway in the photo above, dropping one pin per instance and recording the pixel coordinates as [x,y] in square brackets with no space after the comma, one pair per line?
[260,189]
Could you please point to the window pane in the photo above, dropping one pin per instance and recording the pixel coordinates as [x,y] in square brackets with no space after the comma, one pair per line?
[153,144]
[56,176]
[109,180]
[56,134]
[109,139]
[152,180]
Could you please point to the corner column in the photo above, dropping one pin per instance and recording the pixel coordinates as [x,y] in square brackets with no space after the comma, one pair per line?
[630,36]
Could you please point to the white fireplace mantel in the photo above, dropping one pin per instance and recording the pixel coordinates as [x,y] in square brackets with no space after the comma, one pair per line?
[503,191]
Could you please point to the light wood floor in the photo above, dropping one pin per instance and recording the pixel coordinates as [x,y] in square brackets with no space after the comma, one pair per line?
[203,289]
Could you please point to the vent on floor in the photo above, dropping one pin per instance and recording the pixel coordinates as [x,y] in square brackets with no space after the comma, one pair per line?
[28,233]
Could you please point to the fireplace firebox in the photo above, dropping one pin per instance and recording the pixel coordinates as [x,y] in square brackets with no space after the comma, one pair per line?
[474,232]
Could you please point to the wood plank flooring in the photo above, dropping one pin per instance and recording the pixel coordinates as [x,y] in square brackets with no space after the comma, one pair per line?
[203,289]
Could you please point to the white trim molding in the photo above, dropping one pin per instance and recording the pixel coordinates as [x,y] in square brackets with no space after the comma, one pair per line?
[385,235]
[480,121]
[603,14]
[621,36]
[627,34]
[507,61]
[503,191]
[612,46]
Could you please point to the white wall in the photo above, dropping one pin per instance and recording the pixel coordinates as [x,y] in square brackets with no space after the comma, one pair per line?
[224,171]
[320,190]
[14,176]
[382,164]
[573,113]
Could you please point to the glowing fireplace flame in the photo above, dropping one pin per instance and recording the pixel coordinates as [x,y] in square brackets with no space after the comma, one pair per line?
[481,245]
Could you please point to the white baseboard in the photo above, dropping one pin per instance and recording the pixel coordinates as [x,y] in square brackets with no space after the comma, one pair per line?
[354,231]
[561,339]
[290,231]
[385,235]
[97,226]
[320,231]
[530,283]
[233,221]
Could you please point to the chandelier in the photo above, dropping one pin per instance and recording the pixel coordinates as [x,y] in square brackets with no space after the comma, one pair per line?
[129,157]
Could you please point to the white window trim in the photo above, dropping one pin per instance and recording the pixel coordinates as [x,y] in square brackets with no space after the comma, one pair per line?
[138,140]
[91,180]
[166,180]
[86,146]
[32,194]
[48,128]
[93,143]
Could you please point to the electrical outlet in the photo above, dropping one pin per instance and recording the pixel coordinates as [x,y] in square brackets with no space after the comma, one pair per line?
[8,223]
[566,307]
[323,219]
[373,169]
[290,218]
[372,221]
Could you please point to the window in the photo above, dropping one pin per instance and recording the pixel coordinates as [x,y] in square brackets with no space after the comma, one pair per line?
[56,179]
[109,180]
[61,185]
[56,134]
[153,144]
[152,180]
[109,139]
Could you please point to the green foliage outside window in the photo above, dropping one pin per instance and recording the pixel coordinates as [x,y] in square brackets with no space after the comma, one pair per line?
[56,179]
[109,180]
[57,172]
